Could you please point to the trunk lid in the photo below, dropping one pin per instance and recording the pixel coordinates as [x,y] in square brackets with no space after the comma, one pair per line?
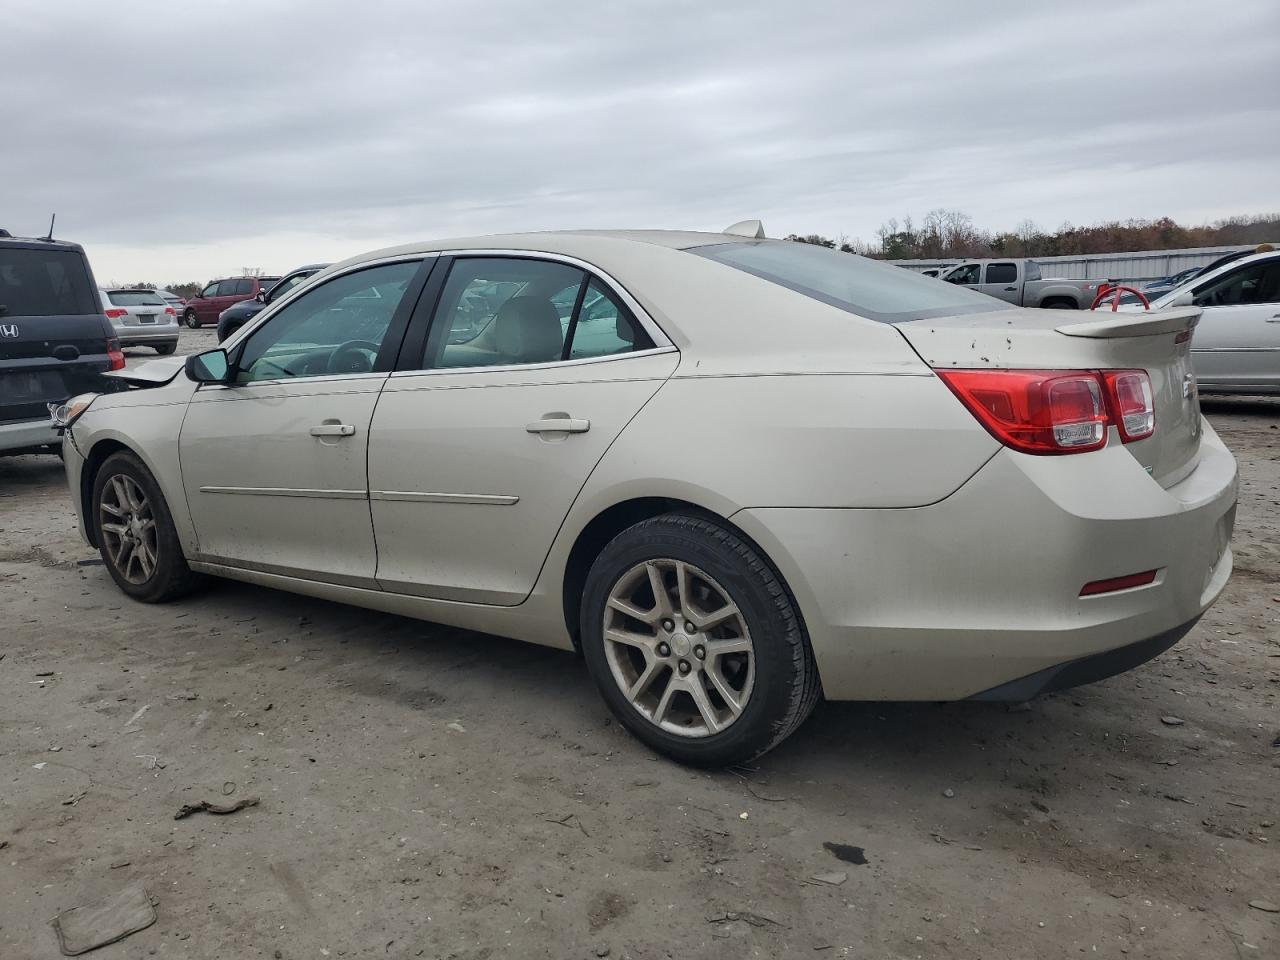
[1157,342]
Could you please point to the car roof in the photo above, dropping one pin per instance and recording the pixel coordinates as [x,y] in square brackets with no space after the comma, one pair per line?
[568,242]
[38,243]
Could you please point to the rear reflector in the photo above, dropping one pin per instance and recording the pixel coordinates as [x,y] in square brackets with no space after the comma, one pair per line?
[1056,411]
[1118,583]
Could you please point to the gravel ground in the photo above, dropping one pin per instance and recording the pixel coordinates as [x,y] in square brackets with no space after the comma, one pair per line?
[428,792]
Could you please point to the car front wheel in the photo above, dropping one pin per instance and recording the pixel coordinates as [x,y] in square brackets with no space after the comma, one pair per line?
[135,532]
[695,643]
[191,319]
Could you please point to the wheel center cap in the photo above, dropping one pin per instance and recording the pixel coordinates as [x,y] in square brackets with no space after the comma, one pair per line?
[680,644]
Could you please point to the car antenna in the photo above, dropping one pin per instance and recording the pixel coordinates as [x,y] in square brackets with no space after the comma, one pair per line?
[51,221]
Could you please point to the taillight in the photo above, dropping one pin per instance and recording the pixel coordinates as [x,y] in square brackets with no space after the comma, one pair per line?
[1135,411]
[170,311]
[115,355]
[116,313]
[1049,412]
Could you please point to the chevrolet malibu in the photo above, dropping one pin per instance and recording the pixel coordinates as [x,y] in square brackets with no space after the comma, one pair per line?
[751,475]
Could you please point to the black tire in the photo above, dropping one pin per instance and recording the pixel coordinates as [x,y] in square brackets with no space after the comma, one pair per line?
[1060,303]
[191,319]
[165,349]
[786,686]
[170,577]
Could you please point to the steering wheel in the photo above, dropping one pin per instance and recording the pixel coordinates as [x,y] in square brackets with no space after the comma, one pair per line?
[345,359]
[1114,292]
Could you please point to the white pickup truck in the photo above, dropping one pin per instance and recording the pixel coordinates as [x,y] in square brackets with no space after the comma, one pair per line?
[1019,282]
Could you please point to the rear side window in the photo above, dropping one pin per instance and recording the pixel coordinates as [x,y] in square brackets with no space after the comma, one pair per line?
[134,298]
[244,287]
[877,291]
[45,283]
[1001,273]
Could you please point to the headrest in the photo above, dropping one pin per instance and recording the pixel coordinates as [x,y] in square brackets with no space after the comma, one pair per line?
[527,330]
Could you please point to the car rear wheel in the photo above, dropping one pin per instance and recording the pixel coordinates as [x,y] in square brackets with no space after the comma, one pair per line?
[135,532]
[695,643]
[166,348]
[191,320]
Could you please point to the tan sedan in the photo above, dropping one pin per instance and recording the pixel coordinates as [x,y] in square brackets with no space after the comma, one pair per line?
[739,474]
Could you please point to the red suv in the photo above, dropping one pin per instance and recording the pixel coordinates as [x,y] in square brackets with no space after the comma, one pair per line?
[205,306]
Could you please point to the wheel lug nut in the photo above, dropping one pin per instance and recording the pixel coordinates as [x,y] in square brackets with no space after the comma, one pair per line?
[700,652]
[668,626]
[689,627]
[684,667]
[664,650]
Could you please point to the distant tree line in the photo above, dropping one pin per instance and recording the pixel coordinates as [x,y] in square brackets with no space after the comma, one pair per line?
[946,234]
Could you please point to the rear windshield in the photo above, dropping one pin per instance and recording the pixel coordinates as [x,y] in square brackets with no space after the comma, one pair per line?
[864,287]
[134,298]
[44,283]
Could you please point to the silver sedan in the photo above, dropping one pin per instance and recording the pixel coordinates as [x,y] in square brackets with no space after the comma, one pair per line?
[738,474]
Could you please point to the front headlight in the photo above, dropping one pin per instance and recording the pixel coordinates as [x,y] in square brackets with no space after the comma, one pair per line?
[65,414]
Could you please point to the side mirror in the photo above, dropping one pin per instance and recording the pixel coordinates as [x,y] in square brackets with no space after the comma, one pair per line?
[262,296]
[212,366]
[1187,299]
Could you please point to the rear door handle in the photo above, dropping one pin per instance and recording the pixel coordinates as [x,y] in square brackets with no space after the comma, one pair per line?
[1010,289]
[1274,319]
[558,425]
[333,430]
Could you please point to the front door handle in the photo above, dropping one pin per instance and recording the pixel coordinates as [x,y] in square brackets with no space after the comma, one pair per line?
[1010,289]
[558,425]
[333,430]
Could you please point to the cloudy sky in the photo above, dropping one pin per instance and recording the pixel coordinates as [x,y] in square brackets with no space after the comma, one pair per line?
[183,141]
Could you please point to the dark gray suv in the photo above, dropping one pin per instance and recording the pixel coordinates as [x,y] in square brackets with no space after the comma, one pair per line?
[55,341]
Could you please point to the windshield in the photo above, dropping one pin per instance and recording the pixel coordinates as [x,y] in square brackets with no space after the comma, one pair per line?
[134,298]
[860,286]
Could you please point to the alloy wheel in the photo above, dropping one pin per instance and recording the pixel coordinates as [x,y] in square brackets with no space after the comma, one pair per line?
[679,648]
[128,528]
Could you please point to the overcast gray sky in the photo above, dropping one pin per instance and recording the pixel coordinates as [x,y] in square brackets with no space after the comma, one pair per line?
[182,141]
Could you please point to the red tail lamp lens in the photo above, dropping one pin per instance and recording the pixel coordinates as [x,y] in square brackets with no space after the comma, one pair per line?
[1135,410]
[115,355]
[1035,411]
[116,313]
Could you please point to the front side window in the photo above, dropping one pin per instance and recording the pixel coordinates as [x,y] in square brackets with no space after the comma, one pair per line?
[285,285]
[211,290]
[1001,273]
[1256,283]
[966,274]
[335,329]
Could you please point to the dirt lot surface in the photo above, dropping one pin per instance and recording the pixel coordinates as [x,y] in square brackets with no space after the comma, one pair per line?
[427,792]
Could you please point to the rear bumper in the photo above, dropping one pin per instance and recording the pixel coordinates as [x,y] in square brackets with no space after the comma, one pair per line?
[149,335]
[982,589]
[27,433]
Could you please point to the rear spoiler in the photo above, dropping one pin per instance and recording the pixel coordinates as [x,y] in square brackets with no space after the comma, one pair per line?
[1134,324]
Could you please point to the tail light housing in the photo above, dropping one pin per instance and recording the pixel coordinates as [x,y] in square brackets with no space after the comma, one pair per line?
[1053,412]
[1133,406]
[170,311]
[115,313]
[115,355]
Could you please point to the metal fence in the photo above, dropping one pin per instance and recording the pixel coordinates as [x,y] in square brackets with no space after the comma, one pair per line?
[1138,266]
